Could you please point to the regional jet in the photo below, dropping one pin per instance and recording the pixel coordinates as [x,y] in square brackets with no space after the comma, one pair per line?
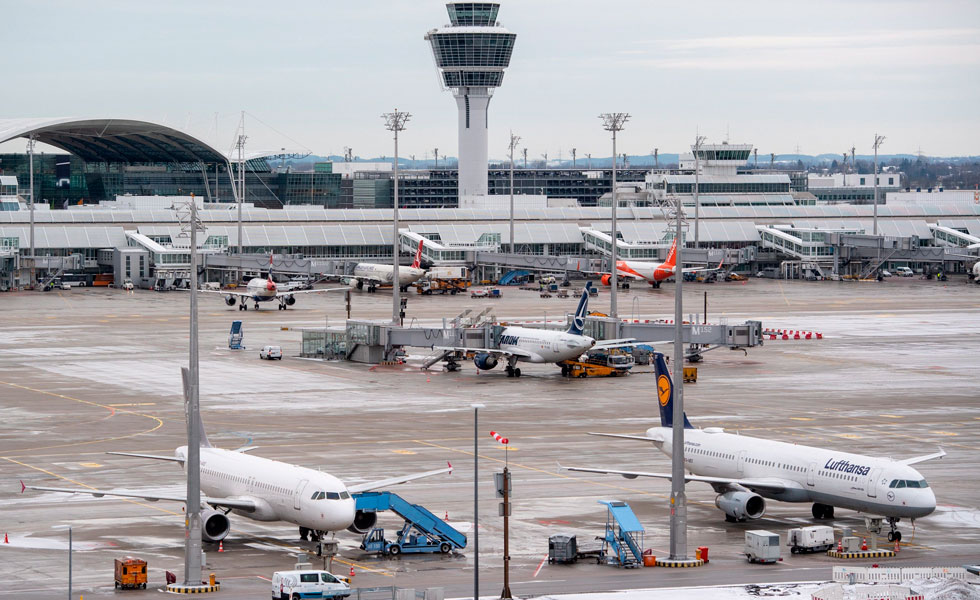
[524,344]
[265,290]
[233,481]
[373,274]
[744,471]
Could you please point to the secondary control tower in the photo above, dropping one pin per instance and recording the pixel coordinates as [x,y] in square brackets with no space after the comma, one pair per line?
[471,54]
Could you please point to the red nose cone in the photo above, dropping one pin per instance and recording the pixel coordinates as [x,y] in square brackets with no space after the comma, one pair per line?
[269,285]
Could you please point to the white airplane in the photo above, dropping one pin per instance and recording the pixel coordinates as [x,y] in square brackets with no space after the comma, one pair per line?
[655,273]
[745,470]
[524,344]
[264,290]
[374,274]
[263,490]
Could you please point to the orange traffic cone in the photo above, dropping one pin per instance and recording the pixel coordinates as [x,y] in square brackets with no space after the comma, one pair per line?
[351,574]
[864,544]
[446,518]
[840,545]
[5,540]
[896,546]
[221,546]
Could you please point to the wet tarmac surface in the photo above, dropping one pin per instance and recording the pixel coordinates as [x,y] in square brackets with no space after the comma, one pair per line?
[89,371]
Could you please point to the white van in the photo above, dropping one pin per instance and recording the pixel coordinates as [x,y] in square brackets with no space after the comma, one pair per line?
[904,272]
[293,585]
[271,352]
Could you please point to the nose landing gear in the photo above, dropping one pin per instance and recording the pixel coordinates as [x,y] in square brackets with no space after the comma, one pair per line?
[894,535]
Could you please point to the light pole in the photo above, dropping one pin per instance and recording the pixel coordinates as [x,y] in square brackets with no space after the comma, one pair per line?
[614,122]
[395,122]
[879,139]
[698,141]
[69,556]
[476,499]
[513,144]
[678,499]
[30,160]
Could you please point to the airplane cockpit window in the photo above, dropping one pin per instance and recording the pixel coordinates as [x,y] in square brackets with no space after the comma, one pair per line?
[344,495]
[917,484]
[333,496]
[318,496]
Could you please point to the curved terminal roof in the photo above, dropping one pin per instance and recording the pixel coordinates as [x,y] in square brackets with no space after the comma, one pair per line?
[114,140]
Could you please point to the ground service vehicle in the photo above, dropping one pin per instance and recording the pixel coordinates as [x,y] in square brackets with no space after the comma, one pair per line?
[293,585]
[128,284]
[904,272]
[130,573]
[819,538]
[761,546]
[271,352]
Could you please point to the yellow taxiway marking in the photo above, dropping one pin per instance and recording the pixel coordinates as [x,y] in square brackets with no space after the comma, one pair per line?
[404,451]
[852,436]
[159,421]
[133,404]
[279,543]
[511,448]
[50,317]
[90,465]
[892,416]
[944,433]
[801,419]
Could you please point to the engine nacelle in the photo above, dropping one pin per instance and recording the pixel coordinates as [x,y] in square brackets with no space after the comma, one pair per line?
[363,522]
[606,279]
[741,506]
[230,300]
[485,361]
[215,525]
[290,300]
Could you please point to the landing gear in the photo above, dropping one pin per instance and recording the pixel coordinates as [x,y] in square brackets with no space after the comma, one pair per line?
[304,533]
[256,306]
[243,305]
[512,371]
[655,284]
[372,289]
[452,366]
[626,285]
[823,511]
[564,370]
[894,535]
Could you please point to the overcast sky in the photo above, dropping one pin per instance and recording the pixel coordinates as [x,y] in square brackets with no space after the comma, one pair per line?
[316,75]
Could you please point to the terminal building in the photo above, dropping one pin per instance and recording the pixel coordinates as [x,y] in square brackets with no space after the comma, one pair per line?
[754,221]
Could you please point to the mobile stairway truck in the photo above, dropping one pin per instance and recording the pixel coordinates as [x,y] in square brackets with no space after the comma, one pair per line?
[423,531]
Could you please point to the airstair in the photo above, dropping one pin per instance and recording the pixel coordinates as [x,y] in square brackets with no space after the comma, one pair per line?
[510,276]
[623,543]
[422,532]
[236,336]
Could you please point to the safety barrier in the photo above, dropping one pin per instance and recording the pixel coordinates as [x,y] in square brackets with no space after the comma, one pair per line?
[831,592]
[869,592]
[896,574]
[795,334]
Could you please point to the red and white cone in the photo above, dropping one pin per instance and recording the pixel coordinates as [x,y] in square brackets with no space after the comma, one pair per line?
[5,540]
[897,546]
[840,545]
[221,546]
[446,518]
[351,574]
[864,544]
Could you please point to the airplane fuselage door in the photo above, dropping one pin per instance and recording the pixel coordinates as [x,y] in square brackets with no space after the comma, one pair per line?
[873,483]
[298,493]
[741,463]
[811,474]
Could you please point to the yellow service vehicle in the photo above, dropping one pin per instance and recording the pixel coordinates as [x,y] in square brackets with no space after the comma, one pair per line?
[599,363]
[130,573]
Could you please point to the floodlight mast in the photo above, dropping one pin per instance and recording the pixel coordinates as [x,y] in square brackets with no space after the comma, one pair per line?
[614,122]
[514,139]
[698,142]
[395,122]
[879,140]
[678,497]
[30,153]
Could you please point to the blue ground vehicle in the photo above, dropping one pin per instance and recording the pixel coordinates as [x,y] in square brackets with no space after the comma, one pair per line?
[422,532]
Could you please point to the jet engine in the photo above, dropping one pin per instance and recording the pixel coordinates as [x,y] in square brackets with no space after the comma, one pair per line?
[214,525]
[230,300]
[363,522]
[485,361]
[741,506]
[290,300]
[606,279]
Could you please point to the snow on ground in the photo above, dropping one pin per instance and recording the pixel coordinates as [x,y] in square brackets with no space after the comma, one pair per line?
[931,589]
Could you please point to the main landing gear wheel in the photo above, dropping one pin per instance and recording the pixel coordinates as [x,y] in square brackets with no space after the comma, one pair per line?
[509,370]
[304,533]
[256,306]
[517,372]
[564,371]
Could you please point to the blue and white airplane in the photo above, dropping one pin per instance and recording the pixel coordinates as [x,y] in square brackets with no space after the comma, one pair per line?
[744,471]
[525,344]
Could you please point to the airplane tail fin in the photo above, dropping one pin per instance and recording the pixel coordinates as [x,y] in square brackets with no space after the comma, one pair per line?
[270,268]
[672,255]
[578,319]
[417,263]
[185,374]
[665,393]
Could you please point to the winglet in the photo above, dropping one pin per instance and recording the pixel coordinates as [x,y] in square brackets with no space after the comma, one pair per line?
[22,486]
[450,467]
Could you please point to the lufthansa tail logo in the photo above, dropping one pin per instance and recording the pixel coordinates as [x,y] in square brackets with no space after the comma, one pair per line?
[663,389]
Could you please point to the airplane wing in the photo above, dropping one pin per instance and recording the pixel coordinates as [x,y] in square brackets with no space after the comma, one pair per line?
[239,503]
[382,483]
[320,291]
[615,343]
[225,293]
[918,459]
[772,484]
[511,352]
[150,456]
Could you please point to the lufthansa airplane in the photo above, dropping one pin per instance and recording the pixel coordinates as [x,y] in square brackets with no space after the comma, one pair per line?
[526,344]
[744,471]
[261,489]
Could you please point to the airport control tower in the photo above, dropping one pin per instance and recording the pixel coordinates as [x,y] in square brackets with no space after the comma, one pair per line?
[471,54]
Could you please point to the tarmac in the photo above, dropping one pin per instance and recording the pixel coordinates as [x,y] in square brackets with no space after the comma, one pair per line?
[87,371]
